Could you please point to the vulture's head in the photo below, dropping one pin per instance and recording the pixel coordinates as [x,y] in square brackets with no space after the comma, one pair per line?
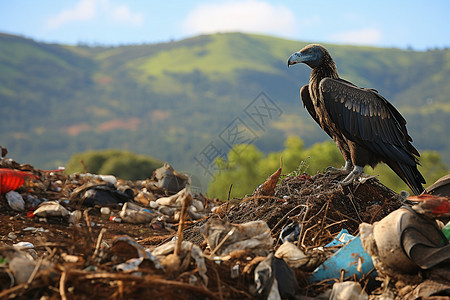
[312,55]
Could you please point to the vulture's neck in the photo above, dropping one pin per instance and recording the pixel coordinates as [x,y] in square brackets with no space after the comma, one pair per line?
[326,69]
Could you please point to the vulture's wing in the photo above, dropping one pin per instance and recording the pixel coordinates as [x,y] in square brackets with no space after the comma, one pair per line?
[367,118]
[307,102]
[309,105]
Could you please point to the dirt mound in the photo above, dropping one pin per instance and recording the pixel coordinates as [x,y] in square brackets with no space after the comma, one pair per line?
[319,203]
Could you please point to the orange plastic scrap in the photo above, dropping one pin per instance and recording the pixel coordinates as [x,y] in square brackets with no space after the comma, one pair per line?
[11,179]
[437,205]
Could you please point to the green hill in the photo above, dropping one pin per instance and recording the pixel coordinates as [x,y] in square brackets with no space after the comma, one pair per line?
[173,100]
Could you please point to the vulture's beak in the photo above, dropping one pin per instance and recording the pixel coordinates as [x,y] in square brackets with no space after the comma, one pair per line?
[295,58]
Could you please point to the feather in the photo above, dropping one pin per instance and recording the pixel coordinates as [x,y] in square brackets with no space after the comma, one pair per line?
[363,108]
[371,110]
[346,116]
[362,127]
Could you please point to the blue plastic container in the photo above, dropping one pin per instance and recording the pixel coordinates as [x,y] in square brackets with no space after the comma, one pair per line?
[345,259]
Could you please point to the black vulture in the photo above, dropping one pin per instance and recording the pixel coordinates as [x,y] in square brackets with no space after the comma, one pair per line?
[366,128]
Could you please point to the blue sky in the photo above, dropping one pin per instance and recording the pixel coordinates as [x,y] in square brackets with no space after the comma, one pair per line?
[382,23]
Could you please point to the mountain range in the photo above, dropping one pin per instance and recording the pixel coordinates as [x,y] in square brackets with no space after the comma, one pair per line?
[189,101]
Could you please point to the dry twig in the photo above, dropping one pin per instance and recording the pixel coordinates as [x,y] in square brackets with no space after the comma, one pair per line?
[99,241]
[62,285]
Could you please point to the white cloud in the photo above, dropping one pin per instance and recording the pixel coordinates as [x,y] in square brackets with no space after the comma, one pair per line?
[365,36]
[124,14]
[86,10]
[249,15]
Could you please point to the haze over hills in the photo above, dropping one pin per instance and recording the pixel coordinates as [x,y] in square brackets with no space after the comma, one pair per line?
[171,100]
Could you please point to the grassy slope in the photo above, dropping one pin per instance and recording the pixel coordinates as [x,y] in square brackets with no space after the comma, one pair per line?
[185,93]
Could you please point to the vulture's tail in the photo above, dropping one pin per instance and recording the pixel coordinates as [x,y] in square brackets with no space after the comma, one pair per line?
[410,175]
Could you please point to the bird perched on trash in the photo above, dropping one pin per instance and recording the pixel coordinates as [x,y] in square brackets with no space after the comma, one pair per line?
[366,128]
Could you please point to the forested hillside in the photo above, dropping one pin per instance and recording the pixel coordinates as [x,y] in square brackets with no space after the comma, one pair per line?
[176,101]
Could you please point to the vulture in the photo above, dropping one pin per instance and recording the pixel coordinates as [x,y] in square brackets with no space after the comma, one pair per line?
[366,128]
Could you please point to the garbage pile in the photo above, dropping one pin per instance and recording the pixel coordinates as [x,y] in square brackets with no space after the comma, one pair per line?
[90,236]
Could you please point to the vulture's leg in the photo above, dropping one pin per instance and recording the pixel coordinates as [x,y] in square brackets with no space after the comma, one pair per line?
[345,150]
[344,170]
[354,174]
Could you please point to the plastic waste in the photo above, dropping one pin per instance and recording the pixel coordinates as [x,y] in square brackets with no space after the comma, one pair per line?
[115,219]
[105,212]
[234,272]
[351,258]
[290,232]
[275,279]
[146,198]
[35,230]
[131,265]
[125,247]
[404,241]
[21,267]
[348,290]
[105,195]
[170,180]
[432,206]
[196,210]
[15,201]
[75,217]
[292,255]
[11,179]
[168,211]
[168,205]
[137,215]
[441,187]
[28,247]
[187,248]
[430,289]
[71,258]
[24,245]
[51,209]
[153,204]
[223,237]
[32,201]
[342,238]
[111,179]
[446,231]
[174,200]
[134,264]
[21,262]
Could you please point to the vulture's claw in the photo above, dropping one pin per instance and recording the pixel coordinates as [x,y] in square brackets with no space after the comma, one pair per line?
[354,175]
[343,171]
